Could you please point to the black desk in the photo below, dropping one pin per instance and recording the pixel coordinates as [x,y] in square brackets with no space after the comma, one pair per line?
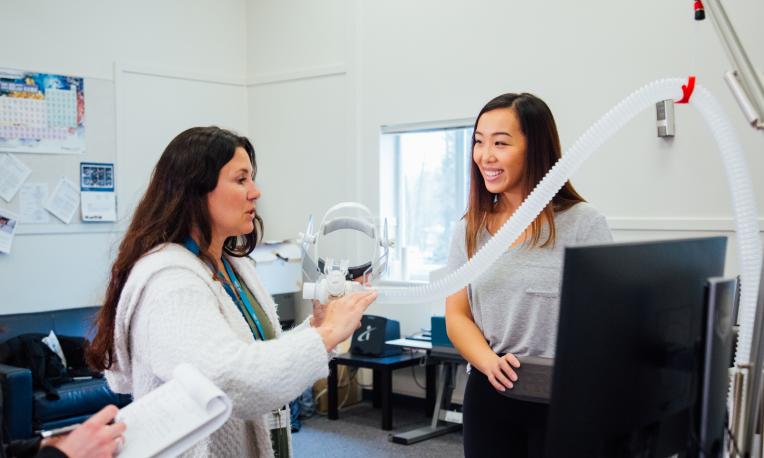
[383,381]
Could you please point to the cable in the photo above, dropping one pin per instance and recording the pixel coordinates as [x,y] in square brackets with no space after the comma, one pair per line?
[733,442]
[315,400]
[339,385]
[347,395]
[422,363]
[364,386]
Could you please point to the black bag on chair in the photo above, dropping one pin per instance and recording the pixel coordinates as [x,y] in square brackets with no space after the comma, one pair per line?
[29,351]
[74,349]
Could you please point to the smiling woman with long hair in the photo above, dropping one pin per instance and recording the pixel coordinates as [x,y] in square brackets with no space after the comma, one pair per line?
[182,290]
[512,310]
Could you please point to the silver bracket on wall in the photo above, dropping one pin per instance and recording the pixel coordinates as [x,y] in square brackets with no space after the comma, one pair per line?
[664,111]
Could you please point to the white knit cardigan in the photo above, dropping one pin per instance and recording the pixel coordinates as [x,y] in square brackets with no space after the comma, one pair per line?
[171,311]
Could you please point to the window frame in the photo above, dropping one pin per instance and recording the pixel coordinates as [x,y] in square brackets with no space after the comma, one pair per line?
[390,148]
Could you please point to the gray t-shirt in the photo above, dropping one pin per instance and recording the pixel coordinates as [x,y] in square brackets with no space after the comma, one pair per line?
[515,303]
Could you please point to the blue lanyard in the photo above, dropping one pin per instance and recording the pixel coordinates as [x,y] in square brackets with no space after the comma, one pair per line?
[242,297]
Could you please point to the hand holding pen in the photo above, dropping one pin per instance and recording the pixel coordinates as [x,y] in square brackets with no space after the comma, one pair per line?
[97,437]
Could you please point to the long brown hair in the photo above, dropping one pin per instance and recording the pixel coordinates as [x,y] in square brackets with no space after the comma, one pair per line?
[175,202]
[543,151]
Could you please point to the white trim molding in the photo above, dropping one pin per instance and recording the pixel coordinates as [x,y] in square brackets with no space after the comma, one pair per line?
[298,75]
[125,67]
[57,70]
[177,73]
[427,125]
[621,223]
[77,228]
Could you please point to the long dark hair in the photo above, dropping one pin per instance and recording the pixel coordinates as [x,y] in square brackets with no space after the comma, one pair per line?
[543,151]
[175,202]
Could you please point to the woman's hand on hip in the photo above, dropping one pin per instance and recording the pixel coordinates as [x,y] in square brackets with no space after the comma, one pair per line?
[343,316]
[500,371]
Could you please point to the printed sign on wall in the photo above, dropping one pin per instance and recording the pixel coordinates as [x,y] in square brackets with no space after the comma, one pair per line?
[41,113]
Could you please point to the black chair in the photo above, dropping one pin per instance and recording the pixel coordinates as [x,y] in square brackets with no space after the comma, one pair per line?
[25,409]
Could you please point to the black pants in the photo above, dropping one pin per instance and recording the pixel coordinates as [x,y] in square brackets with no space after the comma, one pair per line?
[498,426]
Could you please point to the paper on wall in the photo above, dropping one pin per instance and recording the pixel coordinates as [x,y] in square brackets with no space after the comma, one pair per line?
[99,206]
[99,201]
[41,112]
[13,172]
[8,223]
[64,201]
[32,198]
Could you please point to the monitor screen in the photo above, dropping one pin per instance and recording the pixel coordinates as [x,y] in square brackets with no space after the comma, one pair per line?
[629,347]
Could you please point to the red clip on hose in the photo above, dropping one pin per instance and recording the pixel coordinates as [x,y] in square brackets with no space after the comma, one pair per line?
[687,90]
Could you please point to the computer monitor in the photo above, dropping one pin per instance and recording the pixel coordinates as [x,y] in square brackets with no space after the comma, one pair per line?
[629,347]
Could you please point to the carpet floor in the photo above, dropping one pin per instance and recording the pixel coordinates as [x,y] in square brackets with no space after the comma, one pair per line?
[358,434]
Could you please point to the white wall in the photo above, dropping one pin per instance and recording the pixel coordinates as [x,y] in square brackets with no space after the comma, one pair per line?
[312,82]
[184,64]
[86,37]
[435,60]
[301,113]
[446,59]
[298,109]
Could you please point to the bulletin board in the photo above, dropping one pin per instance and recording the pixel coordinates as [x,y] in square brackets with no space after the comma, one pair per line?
[51,124]
[128,122]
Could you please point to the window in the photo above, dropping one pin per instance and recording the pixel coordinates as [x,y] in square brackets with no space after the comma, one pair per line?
[423,188]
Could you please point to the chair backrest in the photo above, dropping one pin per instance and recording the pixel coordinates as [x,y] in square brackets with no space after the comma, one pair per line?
[65,322]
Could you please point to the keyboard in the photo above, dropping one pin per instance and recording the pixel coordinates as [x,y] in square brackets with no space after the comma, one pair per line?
[423,336]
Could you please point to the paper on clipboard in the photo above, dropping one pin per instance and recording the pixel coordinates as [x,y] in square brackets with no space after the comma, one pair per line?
[175,416]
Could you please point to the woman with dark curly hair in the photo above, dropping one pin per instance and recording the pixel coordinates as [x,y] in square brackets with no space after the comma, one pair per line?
[183,290]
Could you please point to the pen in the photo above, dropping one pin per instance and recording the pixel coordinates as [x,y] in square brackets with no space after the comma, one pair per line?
[58,431]
[62,430]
